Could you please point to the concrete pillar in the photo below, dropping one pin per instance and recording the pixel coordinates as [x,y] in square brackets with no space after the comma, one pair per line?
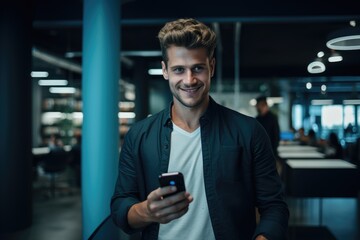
[100,132]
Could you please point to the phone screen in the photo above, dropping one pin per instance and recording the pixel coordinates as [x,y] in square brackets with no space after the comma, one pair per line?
[172,179]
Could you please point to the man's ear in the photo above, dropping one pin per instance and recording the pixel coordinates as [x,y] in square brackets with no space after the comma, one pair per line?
[212,64]
[164,70]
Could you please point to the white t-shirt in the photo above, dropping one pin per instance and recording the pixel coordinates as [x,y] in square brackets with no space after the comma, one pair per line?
[186,157]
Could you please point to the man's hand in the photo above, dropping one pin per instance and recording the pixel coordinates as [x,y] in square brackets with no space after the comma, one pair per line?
[159,209]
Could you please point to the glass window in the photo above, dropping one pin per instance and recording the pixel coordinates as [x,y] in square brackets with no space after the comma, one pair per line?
[332,116]
[349,115]
[297,116]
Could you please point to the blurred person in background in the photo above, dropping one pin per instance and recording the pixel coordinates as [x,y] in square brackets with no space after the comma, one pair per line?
[333,148]
[269,121]
[312,138]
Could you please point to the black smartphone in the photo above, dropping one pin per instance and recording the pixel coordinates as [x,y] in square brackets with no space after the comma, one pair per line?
[172,179]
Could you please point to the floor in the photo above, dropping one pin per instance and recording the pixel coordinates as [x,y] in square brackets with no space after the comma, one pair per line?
[59,217]
[54,217]
[338,217]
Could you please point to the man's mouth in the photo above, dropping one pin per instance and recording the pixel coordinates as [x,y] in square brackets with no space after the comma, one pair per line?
[191,90]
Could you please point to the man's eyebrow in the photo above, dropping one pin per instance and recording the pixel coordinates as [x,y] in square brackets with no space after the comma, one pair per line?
[177,66]
[183,66]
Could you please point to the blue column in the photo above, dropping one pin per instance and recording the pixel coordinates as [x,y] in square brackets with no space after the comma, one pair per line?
[100,132]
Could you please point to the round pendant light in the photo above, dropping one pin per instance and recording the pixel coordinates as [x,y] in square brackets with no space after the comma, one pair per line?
[344,39]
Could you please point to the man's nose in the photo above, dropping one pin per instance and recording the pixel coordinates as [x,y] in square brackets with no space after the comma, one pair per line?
[189,77]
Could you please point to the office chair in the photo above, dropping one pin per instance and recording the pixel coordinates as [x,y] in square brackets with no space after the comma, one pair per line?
[55,164]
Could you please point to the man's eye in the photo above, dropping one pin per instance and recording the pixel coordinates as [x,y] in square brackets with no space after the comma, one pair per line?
[178,70]
[198,69]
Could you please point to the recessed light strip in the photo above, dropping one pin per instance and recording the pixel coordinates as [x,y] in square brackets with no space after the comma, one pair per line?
[39,74]
[155,71]
[53,82]
[351,102]
[336,58]
[322,102]
[62,90]
[126,115]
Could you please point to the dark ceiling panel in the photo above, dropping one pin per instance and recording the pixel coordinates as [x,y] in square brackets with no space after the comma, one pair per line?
[278,38]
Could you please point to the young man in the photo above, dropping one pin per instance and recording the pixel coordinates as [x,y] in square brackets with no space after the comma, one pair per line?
[225,157]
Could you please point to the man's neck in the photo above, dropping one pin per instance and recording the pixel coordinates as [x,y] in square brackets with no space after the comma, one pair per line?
[187,118]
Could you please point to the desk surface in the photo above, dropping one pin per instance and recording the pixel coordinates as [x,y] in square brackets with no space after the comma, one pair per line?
[321,178]
[301,154]
[296,148]
[320,164]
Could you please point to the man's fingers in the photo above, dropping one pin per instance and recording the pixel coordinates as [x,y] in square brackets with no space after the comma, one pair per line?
[172,206]
[170,217]
[158,193]
[165,209]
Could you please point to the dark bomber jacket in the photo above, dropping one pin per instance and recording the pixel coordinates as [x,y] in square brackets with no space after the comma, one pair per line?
[239,174]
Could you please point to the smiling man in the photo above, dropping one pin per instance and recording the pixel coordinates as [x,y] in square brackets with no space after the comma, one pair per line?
[225,157]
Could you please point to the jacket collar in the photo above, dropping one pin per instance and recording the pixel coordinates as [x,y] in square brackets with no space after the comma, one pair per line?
[206,117]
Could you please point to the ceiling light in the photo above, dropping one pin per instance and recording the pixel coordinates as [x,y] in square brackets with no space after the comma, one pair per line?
[344,39]
[68,90]
[126,105]
[53,82]
[39,74]
[126,115]
[155,71]
[351,102]
[308,85]
[320,54]
[41,150]
[270,101]
[252,102]
[323,88]
[322,102]
[316,67]
[335,57]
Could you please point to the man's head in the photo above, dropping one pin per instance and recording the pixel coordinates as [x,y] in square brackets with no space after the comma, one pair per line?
[188,33]
[261,105]
[188,51]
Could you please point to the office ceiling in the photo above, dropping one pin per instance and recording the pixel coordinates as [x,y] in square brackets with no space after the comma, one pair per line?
[277,39]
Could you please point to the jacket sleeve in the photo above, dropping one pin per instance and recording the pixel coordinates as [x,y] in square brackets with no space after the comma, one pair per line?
[126,189]
[274,213]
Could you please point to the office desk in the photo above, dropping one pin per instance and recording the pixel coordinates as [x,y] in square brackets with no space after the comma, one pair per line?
[296,148]
[314,178]
[304,154]
[321,178]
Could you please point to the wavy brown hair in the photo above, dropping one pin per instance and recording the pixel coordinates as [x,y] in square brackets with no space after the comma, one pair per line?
[188,33]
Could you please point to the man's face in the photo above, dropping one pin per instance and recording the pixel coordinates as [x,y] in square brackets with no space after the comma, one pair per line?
[189,72]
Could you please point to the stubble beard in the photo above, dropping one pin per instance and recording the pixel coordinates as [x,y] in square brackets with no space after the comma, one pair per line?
[192,105]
